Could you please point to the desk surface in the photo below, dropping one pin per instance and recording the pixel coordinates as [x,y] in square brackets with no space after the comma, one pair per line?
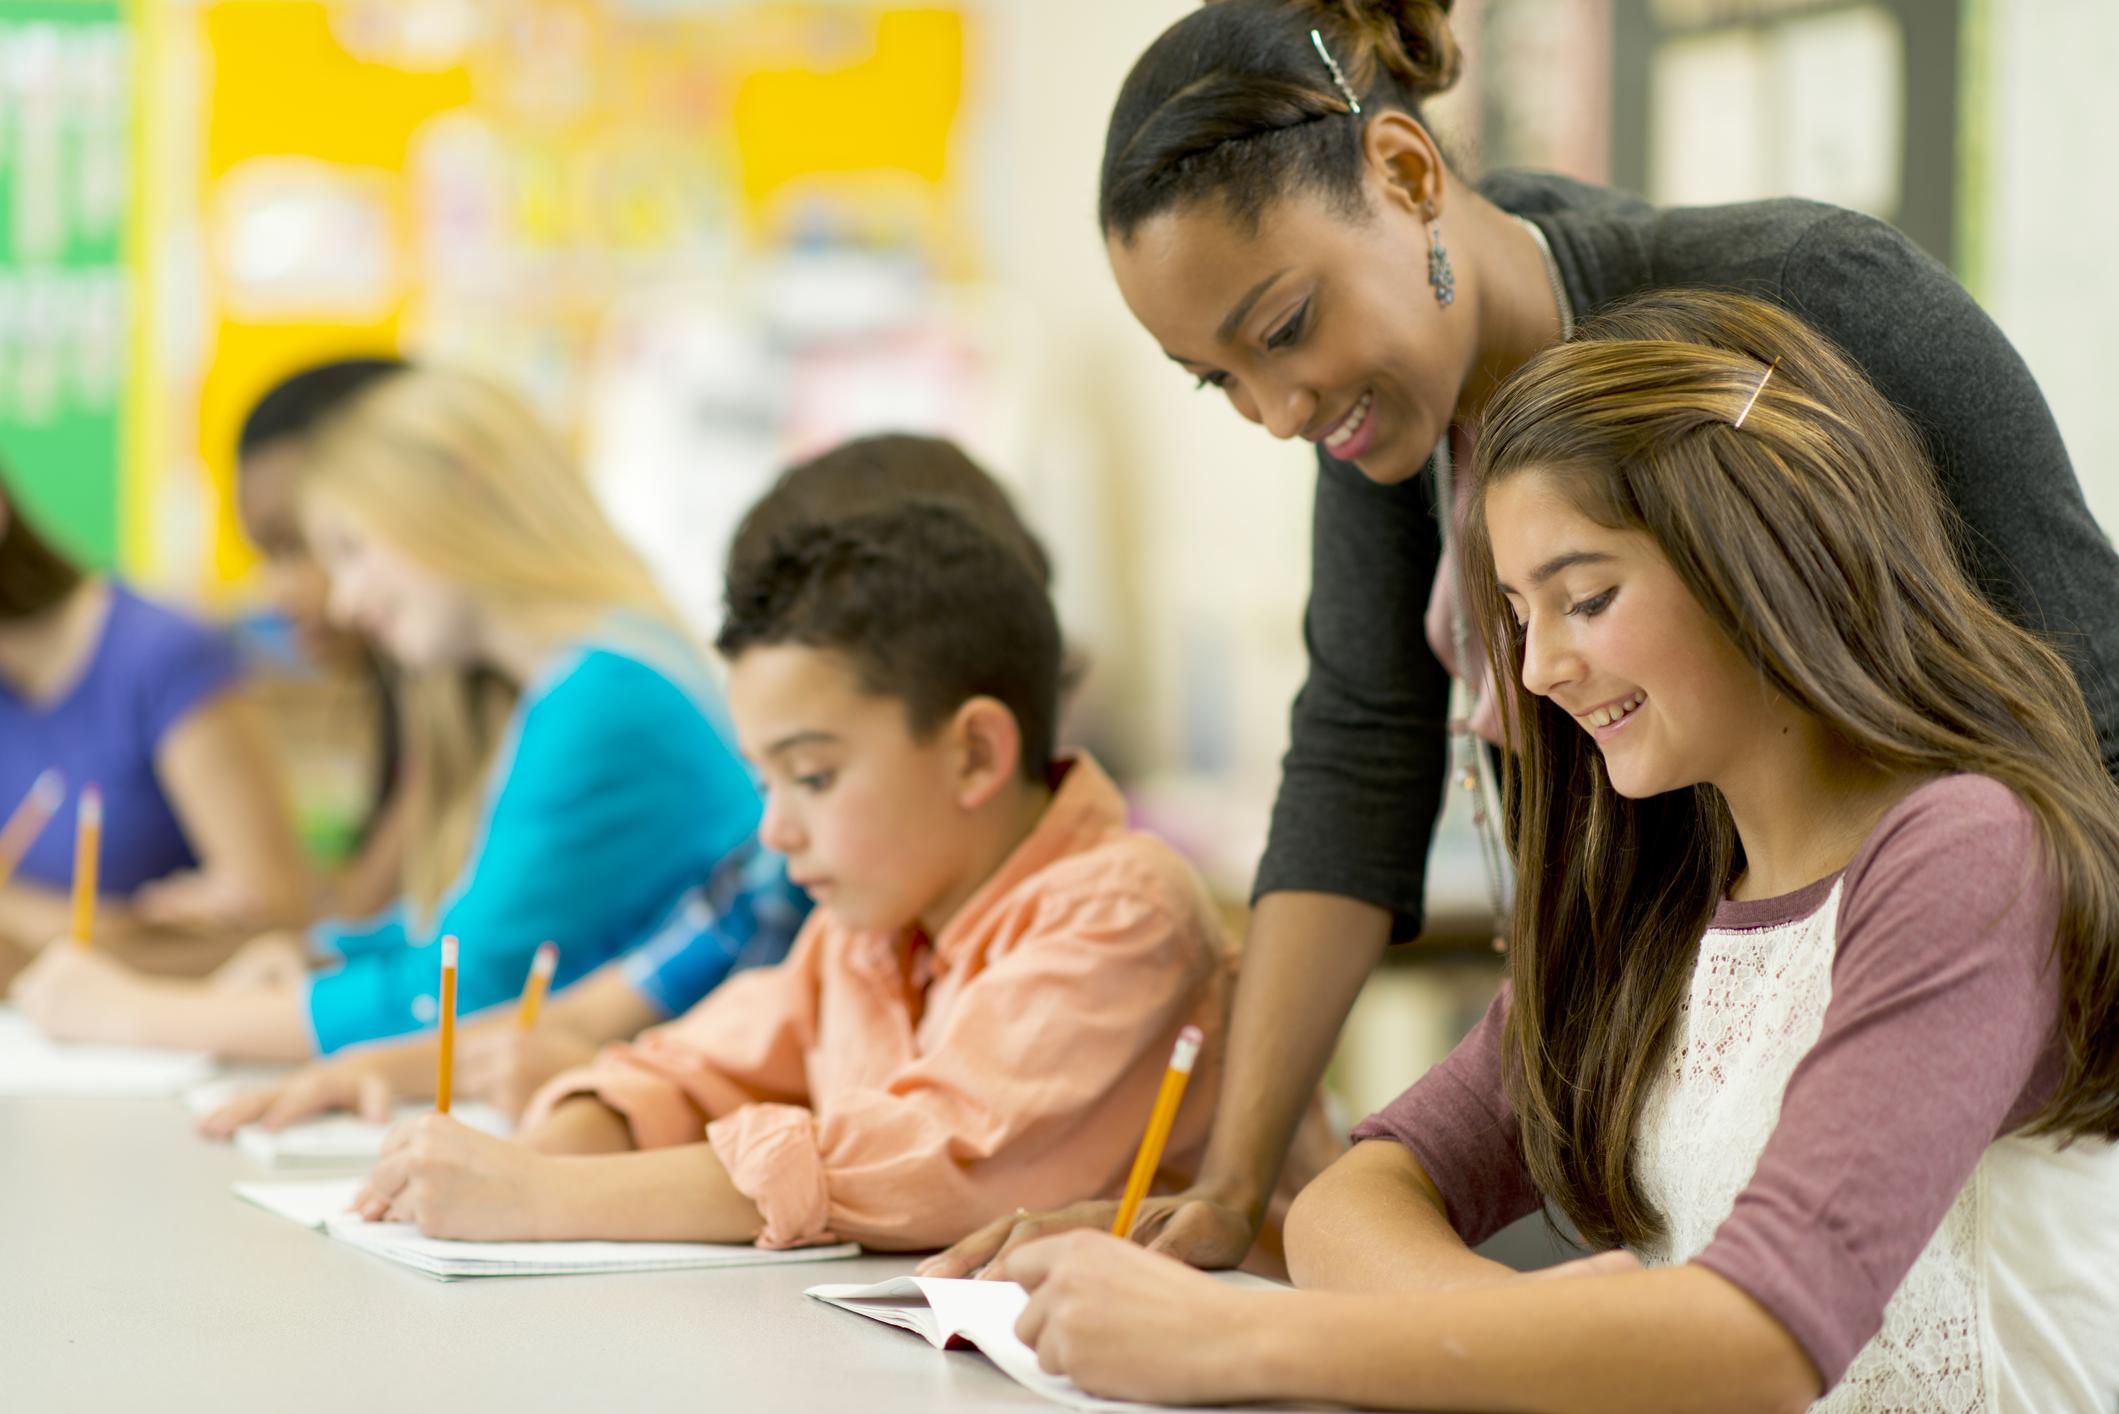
[131,1278]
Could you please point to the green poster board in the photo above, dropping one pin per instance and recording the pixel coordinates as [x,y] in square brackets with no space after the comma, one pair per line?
[66,133]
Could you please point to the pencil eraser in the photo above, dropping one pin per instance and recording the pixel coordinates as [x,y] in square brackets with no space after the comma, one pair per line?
[547,958]
[1189,1041]
[91,805]
[448,950]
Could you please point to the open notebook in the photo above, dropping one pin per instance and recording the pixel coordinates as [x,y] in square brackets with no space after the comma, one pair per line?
[953,1313]
[332,1143]
[322,1205]
[32,1065]
[341,1142]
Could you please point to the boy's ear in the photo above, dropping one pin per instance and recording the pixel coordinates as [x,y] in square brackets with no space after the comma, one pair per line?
[989,750]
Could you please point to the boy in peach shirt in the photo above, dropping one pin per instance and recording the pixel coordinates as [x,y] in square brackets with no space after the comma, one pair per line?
[977,1016]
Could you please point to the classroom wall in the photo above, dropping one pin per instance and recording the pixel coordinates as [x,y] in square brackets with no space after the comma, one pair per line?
[1194,522]
[2044,264]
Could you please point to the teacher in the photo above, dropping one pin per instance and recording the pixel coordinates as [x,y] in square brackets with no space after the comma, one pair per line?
[1281,221]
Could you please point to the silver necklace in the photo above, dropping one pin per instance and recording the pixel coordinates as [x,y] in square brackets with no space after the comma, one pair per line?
[1471,770]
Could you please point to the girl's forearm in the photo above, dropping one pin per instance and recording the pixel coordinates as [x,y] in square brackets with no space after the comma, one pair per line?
[604,1006]
[1374,1222]
[261,1024]
[1674,1339]
[680,1194]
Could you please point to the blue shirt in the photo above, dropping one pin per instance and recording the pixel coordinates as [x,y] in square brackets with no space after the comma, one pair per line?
[152,667]
[616,789]
[745,916]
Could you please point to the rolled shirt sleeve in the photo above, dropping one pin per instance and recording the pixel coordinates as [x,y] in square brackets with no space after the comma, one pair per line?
[1031,1091]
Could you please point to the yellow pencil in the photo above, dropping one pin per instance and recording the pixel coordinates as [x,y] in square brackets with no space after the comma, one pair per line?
[46,794]
[1150,1157]
[447,1060]
[533,991]
[88,853]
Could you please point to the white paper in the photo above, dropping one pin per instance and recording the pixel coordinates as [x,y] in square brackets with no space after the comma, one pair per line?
[32,1065]
[344,1141]
[310,1204]
[324,1204]
[983,1314]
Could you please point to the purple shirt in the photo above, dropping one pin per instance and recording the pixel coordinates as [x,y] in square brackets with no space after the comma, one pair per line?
[151,668]
[1939,1039]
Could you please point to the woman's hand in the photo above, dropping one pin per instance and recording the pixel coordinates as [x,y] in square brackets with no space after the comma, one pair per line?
[357,1083]
[74,994]
[1126,1323]
[506,1066]
[450,1180]
[1198,1229]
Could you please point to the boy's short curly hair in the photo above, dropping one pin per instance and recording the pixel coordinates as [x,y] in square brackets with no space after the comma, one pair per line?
[930,608]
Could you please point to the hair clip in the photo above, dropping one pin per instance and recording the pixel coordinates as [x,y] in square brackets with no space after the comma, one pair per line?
[1755,392]
[1337,77]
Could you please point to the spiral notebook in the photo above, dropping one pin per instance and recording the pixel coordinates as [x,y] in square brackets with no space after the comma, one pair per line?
[323,1205]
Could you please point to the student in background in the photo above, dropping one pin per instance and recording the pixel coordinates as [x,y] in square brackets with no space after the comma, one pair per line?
[271,452]
[744,916]
[980,1011]
[1812,1025]
[116,691]
[575,773]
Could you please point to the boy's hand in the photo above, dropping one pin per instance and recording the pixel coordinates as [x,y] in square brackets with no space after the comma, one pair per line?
[73,994]
[450,1180]
[506,1066]
[353,1083]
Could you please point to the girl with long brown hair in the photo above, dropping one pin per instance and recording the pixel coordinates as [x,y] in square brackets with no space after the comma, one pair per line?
[1813,1017]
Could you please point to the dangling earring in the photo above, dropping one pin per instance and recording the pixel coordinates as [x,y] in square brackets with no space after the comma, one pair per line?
[1440,277]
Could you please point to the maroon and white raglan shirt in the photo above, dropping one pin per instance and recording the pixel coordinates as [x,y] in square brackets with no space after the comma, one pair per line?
[1833,1129]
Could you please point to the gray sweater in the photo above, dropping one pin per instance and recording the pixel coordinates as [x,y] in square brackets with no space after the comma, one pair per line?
[1363,777]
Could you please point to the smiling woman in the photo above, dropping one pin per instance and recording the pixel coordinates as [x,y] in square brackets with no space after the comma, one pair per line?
[1280,220]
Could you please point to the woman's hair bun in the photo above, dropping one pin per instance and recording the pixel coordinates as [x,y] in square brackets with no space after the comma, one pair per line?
[1410,39]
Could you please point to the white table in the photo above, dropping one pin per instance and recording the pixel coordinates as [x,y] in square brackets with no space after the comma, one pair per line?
[131,1279]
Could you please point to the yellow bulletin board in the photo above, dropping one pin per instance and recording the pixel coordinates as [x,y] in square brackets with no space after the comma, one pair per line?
[484,182]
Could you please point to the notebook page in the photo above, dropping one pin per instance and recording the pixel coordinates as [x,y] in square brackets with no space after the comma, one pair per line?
[985,1313]
[310,1204]
[323,1204]
[30,1064]
[449,1259]
[899,1302]
[343,1141]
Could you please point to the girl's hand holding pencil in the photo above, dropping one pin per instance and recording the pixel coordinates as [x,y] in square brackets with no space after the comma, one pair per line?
[73,994]
[1127,1323]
